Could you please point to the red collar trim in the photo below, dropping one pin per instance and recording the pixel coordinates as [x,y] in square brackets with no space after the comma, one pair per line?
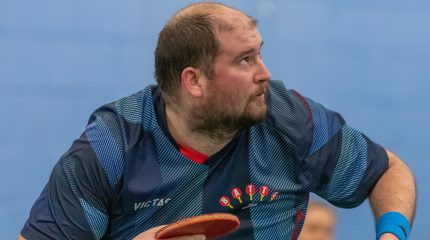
[192,154]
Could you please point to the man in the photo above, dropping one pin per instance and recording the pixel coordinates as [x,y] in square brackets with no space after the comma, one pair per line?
[215,135]
[319,223]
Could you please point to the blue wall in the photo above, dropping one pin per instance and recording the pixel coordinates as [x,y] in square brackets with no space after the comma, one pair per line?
[59,60]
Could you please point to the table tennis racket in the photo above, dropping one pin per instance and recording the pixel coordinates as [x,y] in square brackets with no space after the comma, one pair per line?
[212,225]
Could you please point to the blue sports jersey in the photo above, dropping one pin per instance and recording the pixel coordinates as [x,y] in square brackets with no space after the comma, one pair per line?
[125,174]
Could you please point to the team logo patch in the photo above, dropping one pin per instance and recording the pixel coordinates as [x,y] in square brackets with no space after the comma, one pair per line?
[252,197]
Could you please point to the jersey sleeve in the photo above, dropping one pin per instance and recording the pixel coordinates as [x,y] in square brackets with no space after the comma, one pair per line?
[74,203]
[343,162]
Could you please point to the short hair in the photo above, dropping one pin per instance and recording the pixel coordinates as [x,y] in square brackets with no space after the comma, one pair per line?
[189,40]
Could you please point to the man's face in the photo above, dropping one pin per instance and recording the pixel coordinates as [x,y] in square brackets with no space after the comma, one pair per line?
[319,224]
[235,96]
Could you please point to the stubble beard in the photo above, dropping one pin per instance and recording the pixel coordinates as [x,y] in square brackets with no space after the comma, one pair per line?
[218,120]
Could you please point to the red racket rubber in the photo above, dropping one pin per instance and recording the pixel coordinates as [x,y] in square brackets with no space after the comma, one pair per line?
[212,225]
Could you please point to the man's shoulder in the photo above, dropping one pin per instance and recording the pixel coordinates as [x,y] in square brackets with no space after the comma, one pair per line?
[124,120]
[135,107]
[288,116]
[286,107]
[130,108]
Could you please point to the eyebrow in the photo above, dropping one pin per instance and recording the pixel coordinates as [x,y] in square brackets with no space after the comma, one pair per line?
[247,51]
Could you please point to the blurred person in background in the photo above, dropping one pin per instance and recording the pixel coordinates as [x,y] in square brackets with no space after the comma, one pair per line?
[320,222]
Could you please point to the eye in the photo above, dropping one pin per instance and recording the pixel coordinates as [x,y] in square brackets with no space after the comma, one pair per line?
[246,59]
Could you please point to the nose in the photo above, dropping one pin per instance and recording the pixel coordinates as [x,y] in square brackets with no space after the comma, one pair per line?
[263,73]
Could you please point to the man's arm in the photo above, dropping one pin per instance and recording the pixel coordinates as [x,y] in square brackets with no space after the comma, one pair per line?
[394,191]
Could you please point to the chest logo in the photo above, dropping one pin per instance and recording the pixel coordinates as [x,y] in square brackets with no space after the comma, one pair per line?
[157,202]
[252,198]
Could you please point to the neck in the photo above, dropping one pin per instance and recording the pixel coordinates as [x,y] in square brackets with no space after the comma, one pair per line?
[181,128]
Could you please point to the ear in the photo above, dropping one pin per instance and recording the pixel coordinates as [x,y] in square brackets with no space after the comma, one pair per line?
[191,81]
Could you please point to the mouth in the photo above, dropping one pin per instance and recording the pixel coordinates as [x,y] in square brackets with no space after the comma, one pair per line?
[260,96]
[262,93]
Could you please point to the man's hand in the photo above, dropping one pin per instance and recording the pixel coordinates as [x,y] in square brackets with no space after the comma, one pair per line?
[388,236]
[150,235]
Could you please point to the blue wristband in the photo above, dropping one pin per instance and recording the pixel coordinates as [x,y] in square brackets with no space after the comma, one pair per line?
[394,223]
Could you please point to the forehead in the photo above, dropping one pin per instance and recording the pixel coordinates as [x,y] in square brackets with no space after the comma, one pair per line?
[239,38]
[238,29]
